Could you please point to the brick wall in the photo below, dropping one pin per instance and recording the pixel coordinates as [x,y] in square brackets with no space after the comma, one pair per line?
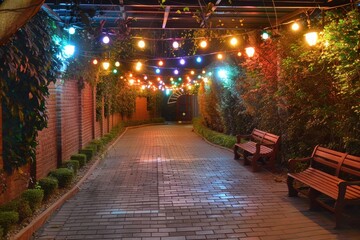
[71,126]
[46,151]
[87,115]
[141,112]
[70,122]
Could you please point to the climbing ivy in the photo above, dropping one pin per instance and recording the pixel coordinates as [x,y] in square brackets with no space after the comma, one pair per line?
[28,64]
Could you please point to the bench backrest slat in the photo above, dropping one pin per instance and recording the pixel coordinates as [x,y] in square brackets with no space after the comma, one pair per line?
[340,162]
[257,135]
[270,139]
[351,165]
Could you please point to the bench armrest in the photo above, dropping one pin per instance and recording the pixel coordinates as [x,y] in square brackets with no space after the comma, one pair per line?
[292,162]
[242,136]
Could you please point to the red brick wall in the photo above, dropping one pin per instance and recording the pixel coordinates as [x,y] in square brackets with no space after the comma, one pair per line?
[87,115]
[46,153]
[141,113]
[70,123]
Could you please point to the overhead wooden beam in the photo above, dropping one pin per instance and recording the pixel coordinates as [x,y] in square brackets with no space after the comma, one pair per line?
[14,14]
[166,16]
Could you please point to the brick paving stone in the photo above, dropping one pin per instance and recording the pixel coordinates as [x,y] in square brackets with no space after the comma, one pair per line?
[165,183]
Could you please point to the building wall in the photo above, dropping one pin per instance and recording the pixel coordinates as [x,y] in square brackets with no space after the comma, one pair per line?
[71,126]
[46,150]
[87,115]
[70,122]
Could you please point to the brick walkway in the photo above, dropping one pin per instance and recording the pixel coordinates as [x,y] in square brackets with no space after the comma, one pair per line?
[164,182]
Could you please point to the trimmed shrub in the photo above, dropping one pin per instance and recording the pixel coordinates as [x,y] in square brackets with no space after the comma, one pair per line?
[9,206]
[34,197]
[89,152]
[21,206]
[81,158]
[73,165]
[64,176]
[24,209]
[213,136]
[49,185]
[107,138]
[7,220]
[96,144]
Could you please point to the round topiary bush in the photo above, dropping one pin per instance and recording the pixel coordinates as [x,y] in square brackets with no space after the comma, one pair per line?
[34,197]
[73,165]
[7,220]
[49,185]
[64,176]
[80,157]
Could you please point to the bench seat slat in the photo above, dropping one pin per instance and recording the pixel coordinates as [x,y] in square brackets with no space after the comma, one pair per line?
[325,183]
[251,148]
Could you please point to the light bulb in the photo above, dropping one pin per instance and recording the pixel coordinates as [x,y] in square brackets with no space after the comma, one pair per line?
[295,26]
[175,45]
[233,41]
[106,39]
[311,38]
[250,51]
[106,65]
[203,44]
[71,30]
[141,44]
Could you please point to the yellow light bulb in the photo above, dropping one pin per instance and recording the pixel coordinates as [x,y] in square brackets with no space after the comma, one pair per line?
[233,41]
[106,65]
[141,44]
[203,44]
[250,51]
[311,38]
[295,26]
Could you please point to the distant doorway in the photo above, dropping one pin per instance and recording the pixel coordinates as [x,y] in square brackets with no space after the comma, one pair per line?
[186,108]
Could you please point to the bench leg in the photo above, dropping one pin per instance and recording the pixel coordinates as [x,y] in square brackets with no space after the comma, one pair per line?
[291,190]
[313,194]
[271,163]
[236,154]
[254,164]
[339,206]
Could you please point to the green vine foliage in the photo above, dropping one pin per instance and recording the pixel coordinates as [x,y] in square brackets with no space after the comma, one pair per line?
[27,66]
[118,96]
[307,95]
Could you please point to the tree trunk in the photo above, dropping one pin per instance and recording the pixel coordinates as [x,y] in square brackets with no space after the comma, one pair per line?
[14,14]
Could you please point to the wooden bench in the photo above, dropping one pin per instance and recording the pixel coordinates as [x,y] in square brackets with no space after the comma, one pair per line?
[324,180]
[258,145]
